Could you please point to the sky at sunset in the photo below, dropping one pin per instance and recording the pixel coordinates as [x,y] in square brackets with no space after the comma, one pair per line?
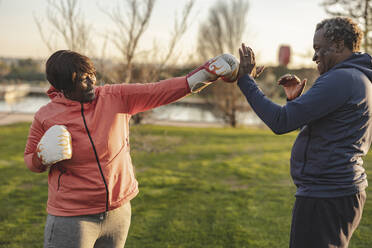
[270,23]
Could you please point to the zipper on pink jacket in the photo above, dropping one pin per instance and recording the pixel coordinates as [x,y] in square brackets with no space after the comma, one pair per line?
[96,155]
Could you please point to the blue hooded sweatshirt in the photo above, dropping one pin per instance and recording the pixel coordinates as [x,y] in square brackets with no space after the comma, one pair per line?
[335,117]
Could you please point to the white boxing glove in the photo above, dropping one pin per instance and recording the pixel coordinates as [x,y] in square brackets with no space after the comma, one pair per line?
[55,145]
[225,66]
[232,75]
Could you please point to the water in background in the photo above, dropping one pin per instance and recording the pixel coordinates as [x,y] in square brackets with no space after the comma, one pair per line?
[29,104]
[171,112]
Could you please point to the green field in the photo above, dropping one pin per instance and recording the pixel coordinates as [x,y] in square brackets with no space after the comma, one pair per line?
[199,187]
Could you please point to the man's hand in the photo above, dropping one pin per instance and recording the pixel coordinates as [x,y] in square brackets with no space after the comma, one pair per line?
[293,87]
[248,63]
[225,66]
[54,146]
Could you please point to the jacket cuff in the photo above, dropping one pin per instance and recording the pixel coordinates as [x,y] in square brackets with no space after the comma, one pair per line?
[247,84]
[34,164]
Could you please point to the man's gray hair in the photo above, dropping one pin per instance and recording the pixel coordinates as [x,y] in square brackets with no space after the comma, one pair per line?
[342,29]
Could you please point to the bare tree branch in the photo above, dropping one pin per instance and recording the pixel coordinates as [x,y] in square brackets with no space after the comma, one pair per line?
[179,30]
[157,60]
[221,33]
[130,19]
[224,28]
[66,21]
[47,41]
[359,10]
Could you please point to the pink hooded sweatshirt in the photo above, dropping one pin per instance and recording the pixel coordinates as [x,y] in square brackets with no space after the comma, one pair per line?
[82,185]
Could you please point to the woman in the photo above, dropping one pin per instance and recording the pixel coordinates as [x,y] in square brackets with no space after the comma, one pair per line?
[90,186]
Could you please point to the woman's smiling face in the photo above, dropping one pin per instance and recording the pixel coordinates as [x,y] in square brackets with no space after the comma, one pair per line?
[84,88]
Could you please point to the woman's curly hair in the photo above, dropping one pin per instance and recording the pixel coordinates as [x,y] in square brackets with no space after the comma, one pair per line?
[342,29]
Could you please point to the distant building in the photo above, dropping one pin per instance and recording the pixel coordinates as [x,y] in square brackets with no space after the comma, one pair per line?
[284,56]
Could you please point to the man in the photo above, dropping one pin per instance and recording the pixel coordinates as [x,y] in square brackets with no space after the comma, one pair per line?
[336,130]
[82,138]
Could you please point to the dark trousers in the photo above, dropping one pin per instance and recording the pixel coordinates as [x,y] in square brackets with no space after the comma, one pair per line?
[325,222]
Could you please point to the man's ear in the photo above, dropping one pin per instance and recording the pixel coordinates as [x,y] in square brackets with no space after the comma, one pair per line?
[339,45]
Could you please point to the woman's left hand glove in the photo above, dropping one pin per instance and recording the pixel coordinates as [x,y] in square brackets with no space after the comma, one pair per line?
[225,66]
[55,145]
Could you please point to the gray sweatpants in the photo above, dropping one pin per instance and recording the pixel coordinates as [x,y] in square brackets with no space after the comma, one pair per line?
[109,230]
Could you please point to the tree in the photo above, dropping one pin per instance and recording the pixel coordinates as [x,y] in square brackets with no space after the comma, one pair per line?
[221,33]
[25,69]
[158,61]
[66,22]
[130,26]
[131,21]
[4,69]
[359,10]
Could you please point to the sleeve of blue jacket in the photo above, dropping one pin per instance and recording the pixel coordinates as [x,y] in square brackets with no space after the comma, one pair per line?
[329,92]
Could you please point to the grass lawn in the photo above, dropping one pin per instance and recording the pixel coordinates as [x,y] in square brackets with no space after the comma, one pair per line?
[199,187]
